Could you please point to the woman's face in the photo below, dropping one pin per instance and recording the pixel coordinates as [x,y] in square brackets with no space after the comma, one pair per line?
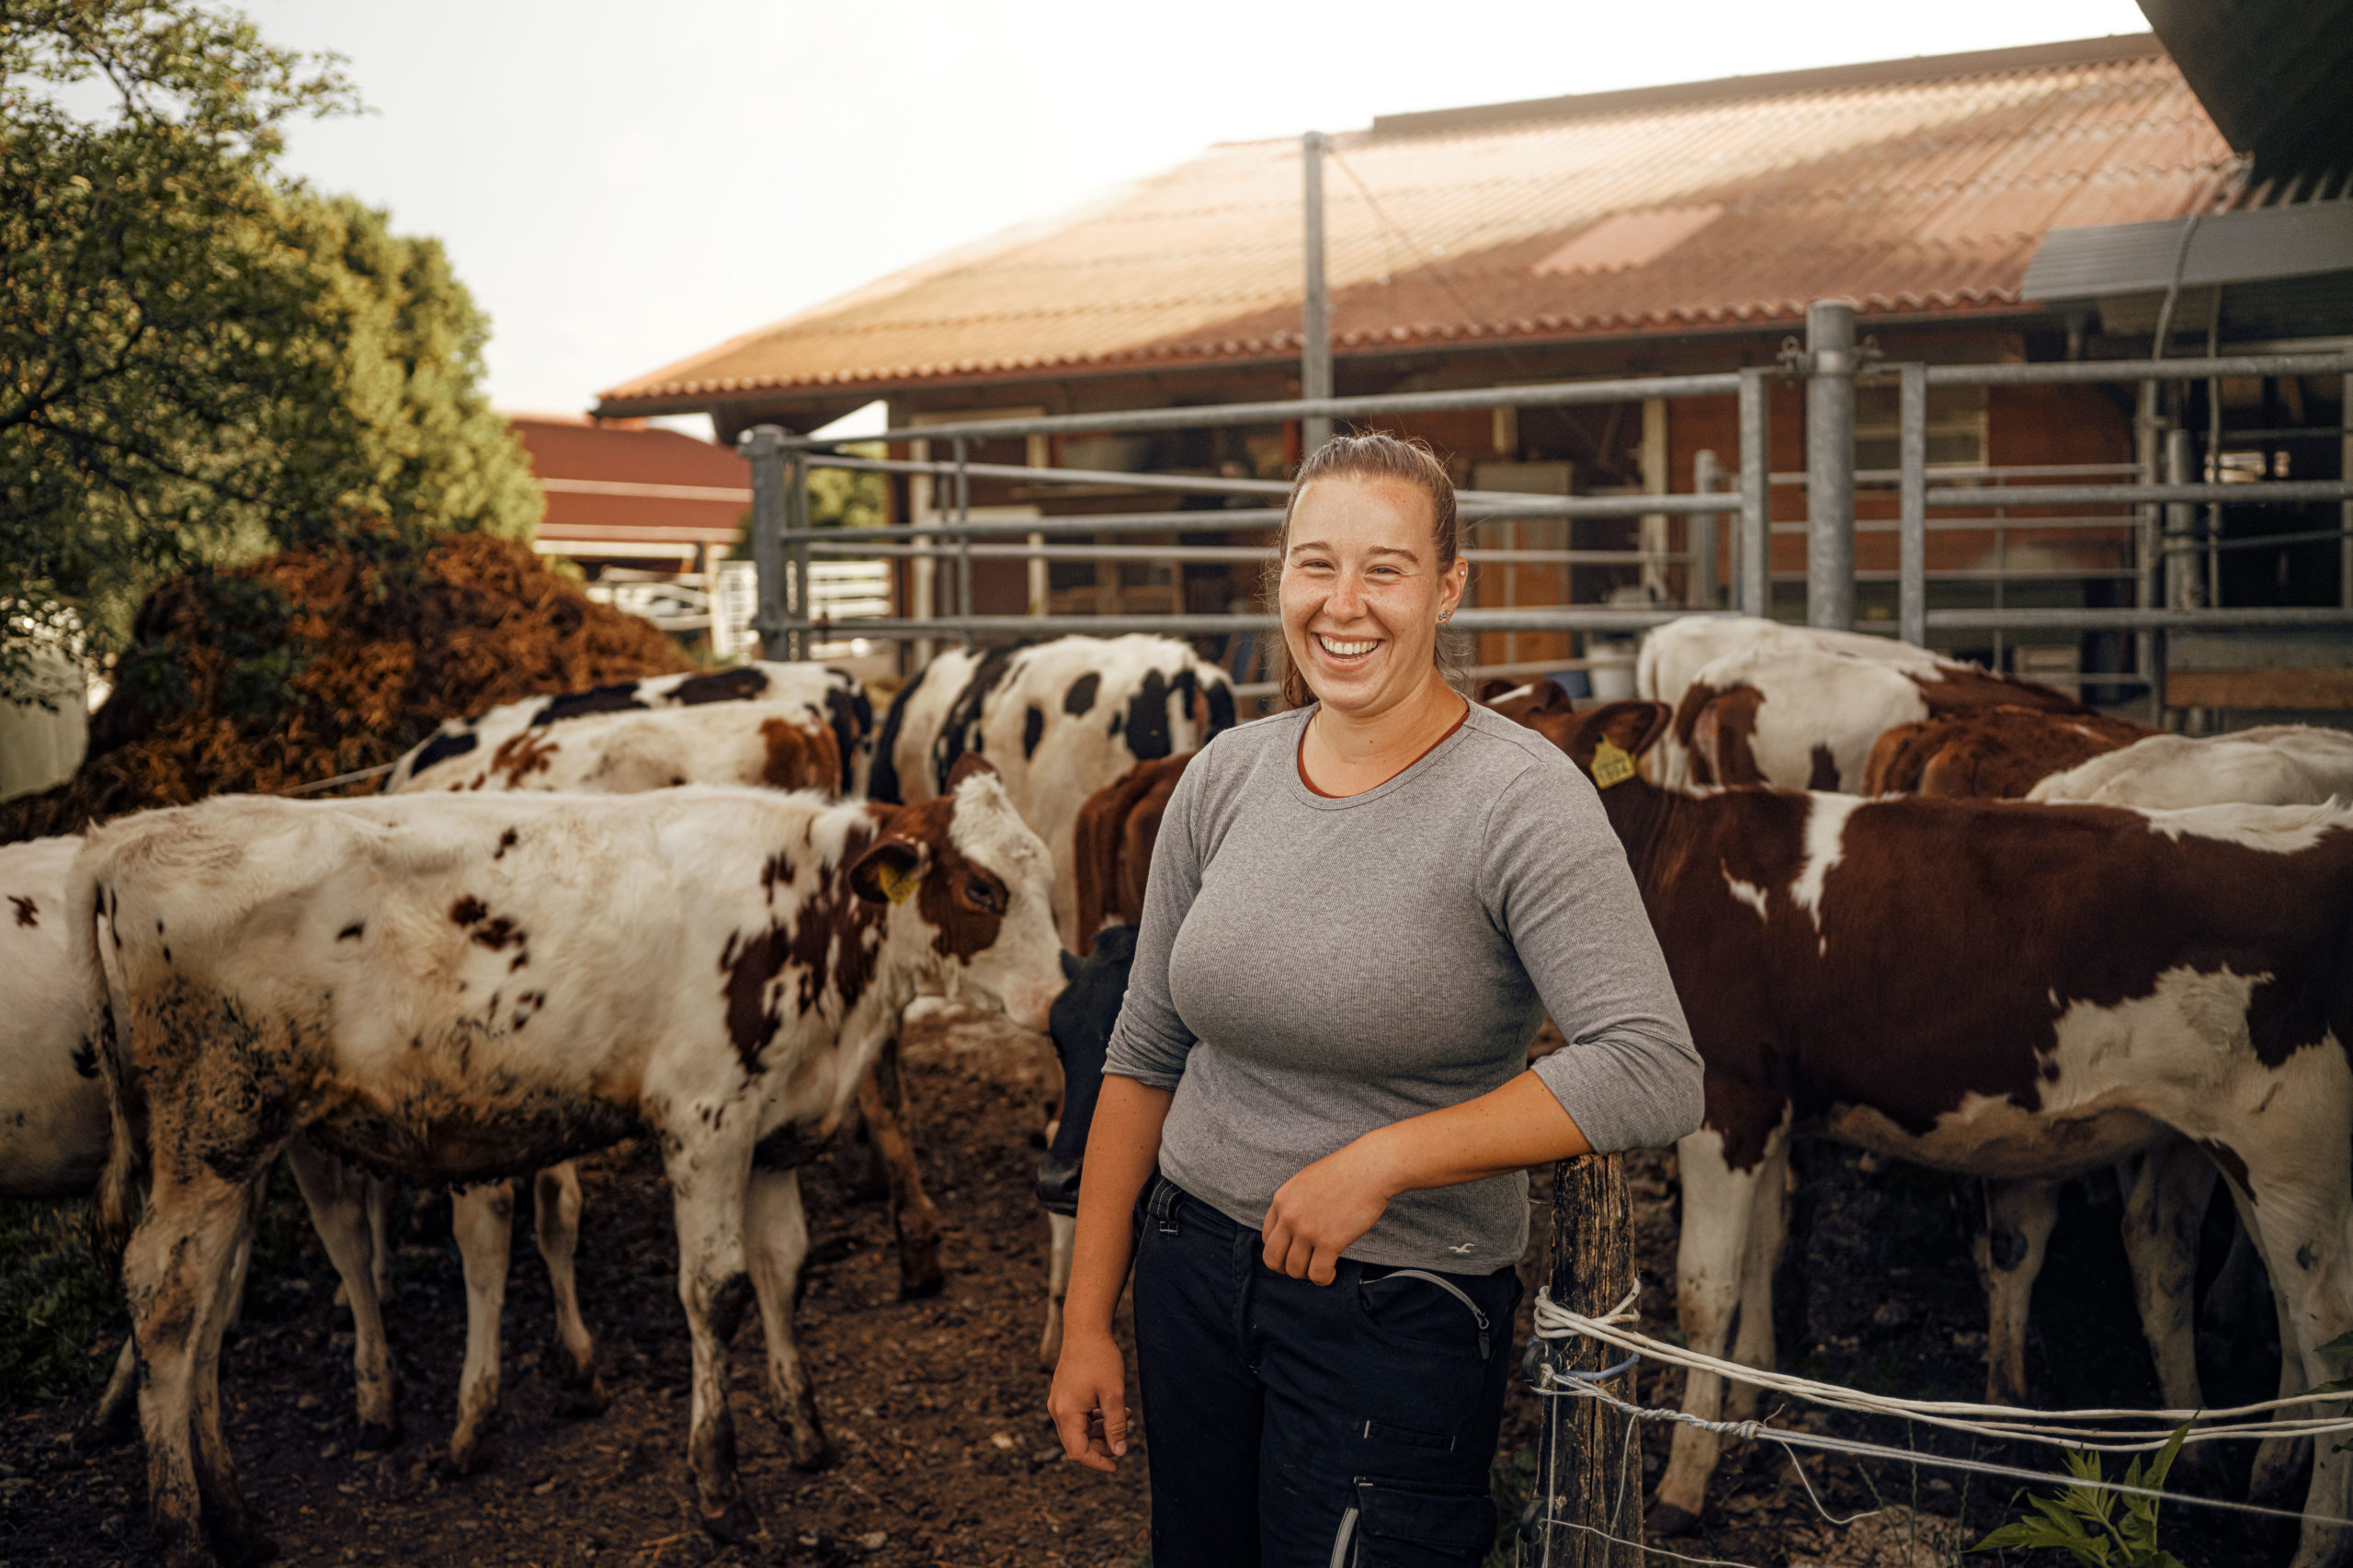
[1363,592]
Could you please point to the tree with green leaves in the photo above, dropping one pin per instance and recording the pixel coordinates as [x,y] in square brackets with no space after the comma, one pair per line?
[201,359]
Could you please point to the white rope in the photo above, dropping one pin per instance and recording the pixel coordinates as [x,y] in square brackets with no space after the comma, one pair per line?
[2059,1428]
[1850,1448]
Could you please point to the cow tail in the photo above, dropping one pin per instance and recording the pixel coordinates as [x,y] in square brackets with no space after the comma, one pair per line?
[123,1181]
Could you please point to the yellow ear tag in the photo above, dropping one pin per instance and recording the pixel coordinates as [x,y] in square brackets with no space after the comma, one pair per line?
[1610,766]
[897,882]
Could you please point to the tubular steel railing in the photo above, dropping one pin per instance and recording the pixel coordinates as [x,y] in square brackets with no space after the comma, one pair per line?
[2149,530]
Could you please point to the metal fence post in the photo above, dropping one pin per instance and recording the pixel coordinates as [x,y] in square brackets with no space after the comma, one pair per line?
[1593,1470]
[1699,535]
[797,642]
[1315,313]
[1754,542]
[763,447]
[964,539]
[2345,508]
[1830,464]
[1912,563]
[2185,585]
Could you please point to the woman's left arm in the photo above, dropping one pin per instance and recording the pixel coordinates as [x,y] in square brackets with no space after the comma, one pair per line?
[1320,1213]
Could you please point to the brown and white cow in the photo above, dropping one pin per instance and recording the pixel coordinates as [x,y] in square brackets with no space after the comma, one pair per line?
[505,736]
[1990,754]
[2002,989]
[712,966]
[1807,717]
[1673,655]
[2279,765]
[1059,720]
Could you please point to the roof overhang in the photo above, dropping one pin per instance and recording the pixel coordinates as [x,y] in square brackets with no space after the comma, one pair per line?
[2271,72]
[2222,249]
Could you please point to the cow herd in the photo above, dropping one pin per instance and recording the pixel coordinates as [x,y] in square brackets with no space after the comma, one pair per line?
[1909,905]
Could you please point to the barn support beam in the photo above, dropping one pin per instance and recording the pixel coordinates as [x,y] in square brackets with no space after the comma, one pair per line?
[1830,464]
[1315,312]
[763,447]
[1700,586]
[1755,594]
[1911,560]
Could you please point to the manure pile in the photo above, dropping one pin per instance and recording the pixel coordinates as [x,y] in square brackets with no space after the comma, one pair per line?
[322,661]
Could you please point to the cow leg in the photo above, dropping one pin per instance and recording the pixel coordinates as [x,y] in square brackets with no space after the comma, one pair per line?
[1062,1232]
[776,1237]
[1768,1224]
[2300,1211]
[708,1198]
[337,1197]
[2018,1219]
[117,1408]
[1718,1205]
[2276,1460]
[229,1524]
[2166,1193]
[482,1219]
[174,1270]
[380,1203]
[883,1101]
[555,1222]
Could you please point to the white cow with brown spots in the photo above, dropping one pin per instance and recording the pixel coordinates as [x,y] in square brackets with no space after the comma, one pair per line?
[706,965]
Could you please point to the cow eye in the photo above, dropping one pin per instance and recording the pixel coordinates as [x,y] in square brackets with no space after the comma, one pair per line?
[982,895]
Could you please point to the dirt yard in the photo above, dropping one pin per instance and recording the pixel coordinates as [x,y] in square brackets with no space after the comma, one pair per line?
[937,1407]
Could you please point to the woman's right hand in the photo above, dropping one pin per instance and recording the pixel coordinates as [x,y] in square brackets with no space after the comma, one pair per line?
[1089,1399]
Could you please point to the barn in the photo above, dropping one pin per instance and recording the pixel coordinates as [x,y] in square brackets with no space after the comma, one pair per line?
[1974,206]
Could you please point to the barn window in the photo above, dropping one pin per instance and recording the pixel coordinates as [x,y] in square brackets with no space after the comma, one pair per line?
[1956,426]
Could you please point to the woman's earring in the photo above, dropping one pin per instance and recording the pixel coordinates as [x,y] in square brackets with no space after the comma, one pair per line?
[1446,617]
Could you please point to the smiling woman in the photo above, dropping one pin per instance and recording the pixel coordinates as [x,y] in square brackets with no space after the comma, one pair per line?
[1317,1110]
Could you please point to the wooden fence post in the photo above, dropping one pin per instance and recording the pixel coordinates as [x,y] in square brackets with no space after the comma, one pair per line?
[1592,1464]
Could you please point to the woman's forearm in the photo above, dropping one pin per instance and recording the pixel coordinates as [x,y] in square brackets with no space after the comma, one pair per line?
[1509,1128]
[1122,1152]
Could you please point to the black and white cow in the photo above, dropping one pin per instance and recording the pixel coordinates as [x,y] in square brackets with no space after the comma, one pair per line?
[830,692]
[710,966]
[1058,719]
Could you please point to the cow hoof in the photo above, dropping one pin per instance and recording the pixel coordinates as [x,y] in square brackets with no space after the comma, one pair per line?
[380,1437]
[579,1400]
[919,1283]
[246,1547]
[468,1459]
[811,1450]
[1666,1519]
[735,1524]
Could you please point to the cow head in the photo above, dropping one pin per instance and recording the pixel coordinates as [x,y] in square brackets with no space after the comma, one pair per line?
[1629,727]
[983,884]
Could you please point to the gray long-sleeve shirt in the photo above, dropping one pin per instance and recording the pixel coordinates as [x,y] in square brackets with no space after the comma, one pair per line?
[1311,969]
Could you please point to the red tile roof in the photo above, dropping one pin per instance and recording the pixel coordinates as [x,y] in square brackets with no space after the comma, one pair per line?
[618,482]
[1914,186]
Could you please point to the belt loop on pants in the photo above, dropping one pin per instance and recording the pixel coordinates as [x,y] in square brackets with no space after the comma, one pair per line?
[1166,1195]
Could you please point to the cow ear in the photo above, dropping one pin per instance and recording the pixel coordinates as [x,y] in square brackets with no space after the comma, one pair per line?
[968,763]
[888,872]
[1628,728]
[1493,687]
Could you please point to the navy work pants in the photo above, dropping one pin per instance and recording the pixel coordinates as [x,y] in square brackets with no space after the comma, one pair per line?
[1293,1424]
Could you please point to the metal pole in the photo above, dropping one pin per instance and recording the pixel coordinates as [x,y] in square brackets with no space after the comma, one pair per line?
[964,539]
[1316,316]
[1700,581]
[2183,588]
[1830,464]
[763,447]
[1754,540]
[2148,646]
[2345,508]
[1912,563]
[796,516]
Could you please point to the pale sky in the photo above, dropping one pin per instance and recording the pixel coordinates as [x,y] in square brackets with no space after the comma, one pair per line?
[623,184]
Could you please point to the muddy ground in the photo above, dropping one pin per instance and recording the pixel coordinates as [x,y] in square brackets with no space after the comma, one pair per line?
[937,1407]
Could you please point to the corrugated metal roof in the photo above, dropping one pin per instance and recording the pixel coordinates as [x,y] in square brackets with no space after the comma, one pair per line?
[1922,191]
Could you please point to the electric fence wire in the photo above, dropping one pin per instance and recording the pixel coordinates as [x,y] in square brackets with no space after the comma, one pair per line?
[1554,1323]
